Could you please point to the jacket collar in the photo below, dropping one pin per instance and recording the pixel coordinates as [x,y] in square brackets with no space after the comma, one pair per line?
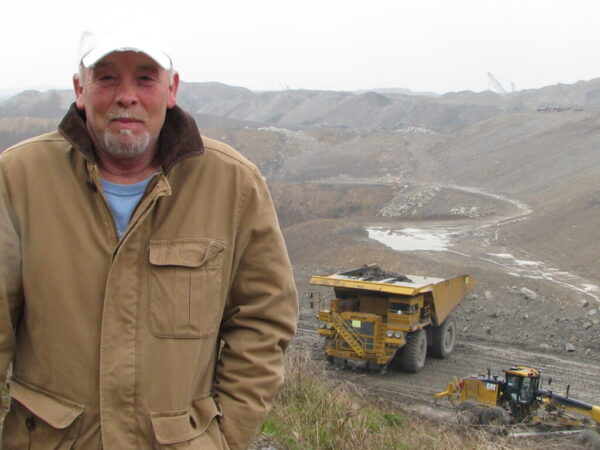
[179,137]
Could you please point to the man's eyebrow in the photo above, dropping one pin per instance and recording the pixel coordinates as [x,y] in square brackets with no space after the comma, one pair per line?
[102,64]
[149,67]
[145,67]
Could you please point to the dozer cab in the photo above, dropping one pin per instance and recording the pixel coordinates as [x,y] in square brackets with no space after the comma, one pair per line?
[378,317]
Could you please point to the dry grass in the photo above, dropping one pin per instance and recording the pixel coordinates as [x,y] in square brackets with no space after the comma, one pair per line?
[311,412]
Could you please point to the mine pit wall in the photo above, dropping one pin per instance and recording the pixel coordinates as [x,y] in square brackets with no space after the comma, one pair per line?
[297,203]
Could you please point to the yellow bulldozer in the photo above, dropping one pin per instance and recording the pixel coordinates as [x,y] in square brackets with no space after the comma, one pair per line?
[517,398]
[378,317]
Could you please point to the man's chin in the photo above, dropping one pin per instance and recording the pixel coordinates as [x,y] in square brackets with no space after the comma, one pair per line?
[125,146]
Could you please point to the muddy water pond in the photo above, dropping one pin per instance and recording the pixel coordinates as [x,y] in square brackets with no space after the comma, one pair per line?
[412,239]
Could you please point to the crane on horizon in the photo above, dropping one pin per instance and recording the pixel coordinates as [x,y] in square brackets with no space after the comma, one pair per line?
[498,88]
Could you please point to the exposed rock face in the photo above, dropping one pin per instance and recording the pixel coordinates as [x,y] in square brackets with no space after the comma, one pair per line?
[468,211]
[409,200]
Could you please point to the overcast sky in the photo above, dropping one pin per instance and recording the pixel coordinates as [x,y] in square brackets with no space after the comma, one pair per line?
[422,45]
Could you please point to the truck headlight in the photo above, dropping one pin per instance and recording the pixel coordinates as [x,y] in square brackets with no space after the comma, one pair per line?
[390,333]
[397,334]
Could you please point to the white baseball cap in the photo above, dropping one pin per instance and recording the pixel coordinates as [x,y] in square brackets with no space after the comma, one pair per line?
[138,33]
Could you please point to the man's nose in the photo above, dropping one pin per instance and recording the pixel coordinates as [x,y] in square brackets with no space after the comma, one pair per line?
[126,93]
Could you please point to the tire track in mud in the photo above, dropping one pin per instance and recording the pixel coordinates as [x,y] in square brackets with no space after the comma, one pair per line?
[468,358]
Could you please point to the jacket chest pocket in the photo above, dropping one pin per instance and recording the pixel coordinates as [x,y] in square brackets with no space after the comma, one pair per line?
[185,287]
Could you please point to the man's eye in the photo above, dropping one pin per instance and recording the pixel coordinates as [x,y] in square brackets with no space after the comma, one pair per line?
[106,79]
[146,79]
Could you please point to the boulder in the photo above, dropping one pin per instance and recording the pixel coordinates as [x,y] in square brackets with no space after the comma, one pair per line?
[528,293]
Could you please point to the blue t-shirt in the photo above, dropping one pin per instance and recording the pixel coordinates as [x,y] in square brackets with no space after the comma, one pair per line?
[122,199]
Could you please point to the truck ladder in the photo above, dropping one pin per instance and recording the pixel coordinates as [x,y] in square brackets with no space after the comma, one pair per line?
[379,346]
[350,336]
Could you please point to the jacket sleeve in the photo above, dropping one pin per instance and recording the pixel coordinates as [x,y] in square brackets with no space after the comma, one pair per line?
[259,321]
[10,278]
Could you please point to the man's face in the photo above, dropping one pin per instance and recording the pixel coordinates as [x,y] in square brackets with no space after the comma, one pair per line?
[125,97]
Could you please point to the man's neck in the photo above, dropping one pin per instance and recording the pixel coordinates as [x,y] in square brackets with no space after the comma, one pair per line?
[126,170]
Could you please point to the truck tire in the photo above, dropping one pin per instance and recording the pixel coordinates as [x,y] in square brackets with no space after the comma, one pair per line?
[412,356]
[469,412]
[493,416]
[588,439]
[340,363]
[444,339]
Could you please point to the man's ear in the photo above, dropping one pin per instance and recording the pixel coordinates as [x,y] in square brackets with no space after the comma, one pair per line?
[78,86]
[172,100]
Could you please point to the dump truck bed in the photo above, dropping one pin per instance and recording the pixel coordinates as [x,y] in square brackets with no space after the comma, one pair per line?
[446,293]
[415,286]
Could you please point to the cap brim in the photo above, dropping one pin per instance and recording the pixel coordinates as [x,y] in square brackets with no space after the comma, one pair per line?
[94,56]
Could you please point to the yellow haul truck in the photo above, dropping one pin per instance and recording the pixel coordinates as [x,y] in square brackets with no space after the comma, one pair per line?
[379,317]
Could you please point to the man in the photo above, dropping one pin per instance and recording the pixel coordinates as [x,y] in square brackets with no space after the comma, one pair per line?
[146,296]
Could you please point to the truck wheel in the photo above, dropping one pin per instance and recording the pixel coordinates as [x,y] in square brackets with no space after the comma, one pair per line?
[372,366]
[588,439]
[469,412]
[412,356]
[444,338]
[340,363]
[493,416]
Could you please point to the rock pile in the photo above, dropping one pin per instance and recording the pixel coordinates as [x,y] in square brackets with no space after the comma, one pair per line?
[409,200]
[468,211]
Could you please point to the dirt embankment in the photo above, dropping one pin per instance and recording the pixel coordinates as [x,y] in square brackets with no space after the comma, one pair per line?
[301,202]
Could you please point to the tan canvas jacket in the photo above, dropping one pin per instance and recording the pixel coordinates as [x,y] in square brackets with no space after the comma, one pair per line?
[169,338]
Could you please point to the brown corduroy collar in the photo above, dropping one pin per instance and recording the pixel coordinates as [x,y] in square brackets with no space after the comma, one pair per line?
[179,137]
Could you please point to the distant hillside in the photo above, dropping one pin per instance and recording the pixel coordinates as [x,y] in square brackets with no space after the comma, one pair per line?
[220,105]
[44,105]
[583,94]
[16,129]
[392,90]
